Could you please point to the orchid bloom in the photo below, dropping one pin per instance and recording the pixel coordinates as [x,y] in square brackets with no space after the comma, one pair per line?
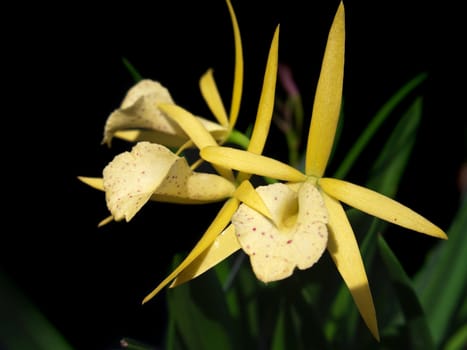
[306,214]
[139,117]
[151,171]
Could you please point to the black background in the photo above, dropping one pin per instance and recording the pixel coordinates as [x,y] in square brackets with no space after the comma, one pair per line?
[65,76]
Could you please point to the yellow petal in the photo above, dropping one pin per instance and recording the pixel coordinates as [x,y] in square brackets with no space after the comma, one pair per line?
[211,95]
[378,205]
[196,131]
[251,163]
[162,137]
[94,182]
[131,178]
[188,122]
[266,102]
[238,71]
[182,186]
[197,188]
[223,246]
[327,103]
[344,250]
[153,136]
[138,111]
[295,239]
[247,194]
[217,226]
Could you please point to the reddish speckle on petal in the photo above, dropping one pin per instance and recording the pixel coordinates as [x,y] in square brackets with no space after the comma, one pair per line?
[254,228]
[289,241]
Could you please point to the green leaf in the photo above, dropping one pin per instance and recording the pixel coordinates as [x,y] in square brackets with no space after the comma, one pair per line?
[279,340]
[199,315]
[416,327]
[133,71]
[376,122]
[388,169]
[441,283]
[458,340]
[22,325]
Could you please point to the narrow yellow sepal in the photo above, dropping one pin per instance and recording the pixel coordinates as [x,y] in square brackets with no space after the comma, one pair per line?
[267,99]
[378,205]
[238,71]
[224,245]
[251,163]
[212,97]
[94,182]
[344,251]
[105,221]
[327,103]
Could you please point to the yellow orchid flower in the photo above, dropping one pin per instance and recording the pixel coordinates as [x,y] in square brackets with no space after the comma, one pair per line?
[140,119]
[306,214]
[152,171]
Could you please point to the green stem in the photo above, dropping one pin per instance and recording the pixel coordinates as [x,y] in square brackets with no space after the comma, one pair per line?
[238,138]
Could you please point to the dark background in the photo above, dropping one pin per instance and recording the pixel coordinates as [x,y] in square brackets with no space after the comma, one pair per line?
[67,76]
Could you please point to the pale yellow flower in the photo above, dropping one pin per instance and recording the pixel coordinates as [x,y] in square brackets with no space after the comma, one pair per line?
[139,117]
[308,203]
